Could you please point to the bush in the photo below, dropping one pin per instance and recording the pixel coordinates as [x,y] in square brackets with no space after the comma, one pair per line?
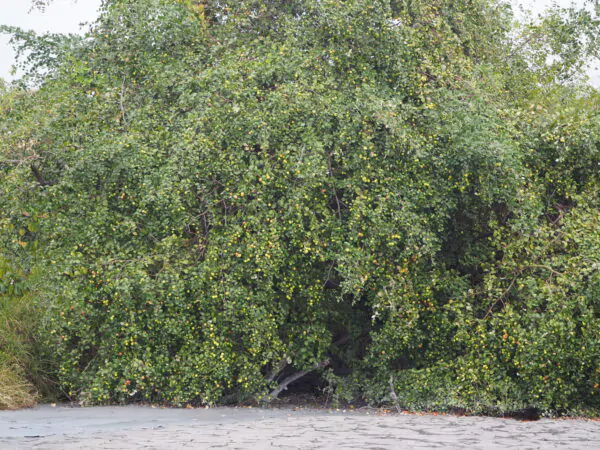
[224,197]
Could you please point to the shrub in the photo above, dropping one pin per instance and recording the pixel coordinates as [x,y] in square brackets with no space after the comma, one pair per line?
[226,196]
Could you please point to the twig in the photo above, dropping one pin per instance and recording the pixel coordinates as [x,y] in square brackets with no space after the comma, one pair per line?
[393,395]
[121,98]
[330,174]
[18,162]
[501,298]
[548,268]
[512,283]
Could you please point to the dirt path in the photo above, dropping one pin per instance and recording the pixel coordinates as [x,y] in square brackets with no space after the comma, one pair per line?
[132,427]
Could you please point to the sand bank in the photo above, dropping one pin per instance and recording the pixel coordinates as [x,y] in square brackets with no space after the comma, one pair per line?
[136,427]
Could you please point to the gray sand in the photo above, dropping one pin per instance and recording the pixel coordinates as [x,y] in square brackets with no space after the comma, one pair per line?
[132,427]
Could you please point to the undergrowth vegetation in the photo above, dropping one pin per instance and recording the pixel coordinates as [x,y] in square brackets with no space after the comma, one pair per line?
[17,326]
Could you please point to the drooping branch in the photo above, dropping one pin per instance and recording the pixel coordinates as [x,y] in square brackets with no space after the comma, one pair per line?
[287,381]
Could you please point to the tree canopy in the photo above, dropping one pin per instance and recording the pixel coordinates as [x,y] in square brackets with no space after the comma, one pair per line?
[206,200]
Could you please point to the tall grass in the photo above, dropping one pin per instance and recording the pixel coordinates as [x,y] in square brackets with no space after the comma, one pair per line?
[18,320]
[15,390]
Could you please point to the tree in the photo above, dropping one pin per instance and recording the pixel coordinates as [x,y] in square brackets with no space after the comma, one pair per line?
[229,196]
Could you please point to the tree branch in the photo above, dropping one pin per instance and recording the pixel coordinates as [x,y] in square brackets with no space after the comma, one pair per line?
[280,366]
[284,384]
[39,176]
[393,395]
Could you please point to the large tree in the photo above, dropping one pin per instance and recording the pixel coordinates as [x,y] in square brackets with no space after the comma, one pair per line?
[225,197]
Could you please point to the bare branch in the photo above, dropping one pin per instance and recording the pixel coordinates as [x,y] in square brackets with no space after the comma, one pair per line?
[393,394]
[280,366]
[284,384]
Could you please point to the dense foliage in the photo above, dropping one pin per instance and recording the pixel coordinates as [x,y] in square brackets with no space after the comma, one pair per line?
[201,199]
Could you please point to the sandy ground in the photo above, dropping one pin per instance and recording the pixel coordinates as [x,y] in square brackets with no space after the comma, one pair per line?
[134,427]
